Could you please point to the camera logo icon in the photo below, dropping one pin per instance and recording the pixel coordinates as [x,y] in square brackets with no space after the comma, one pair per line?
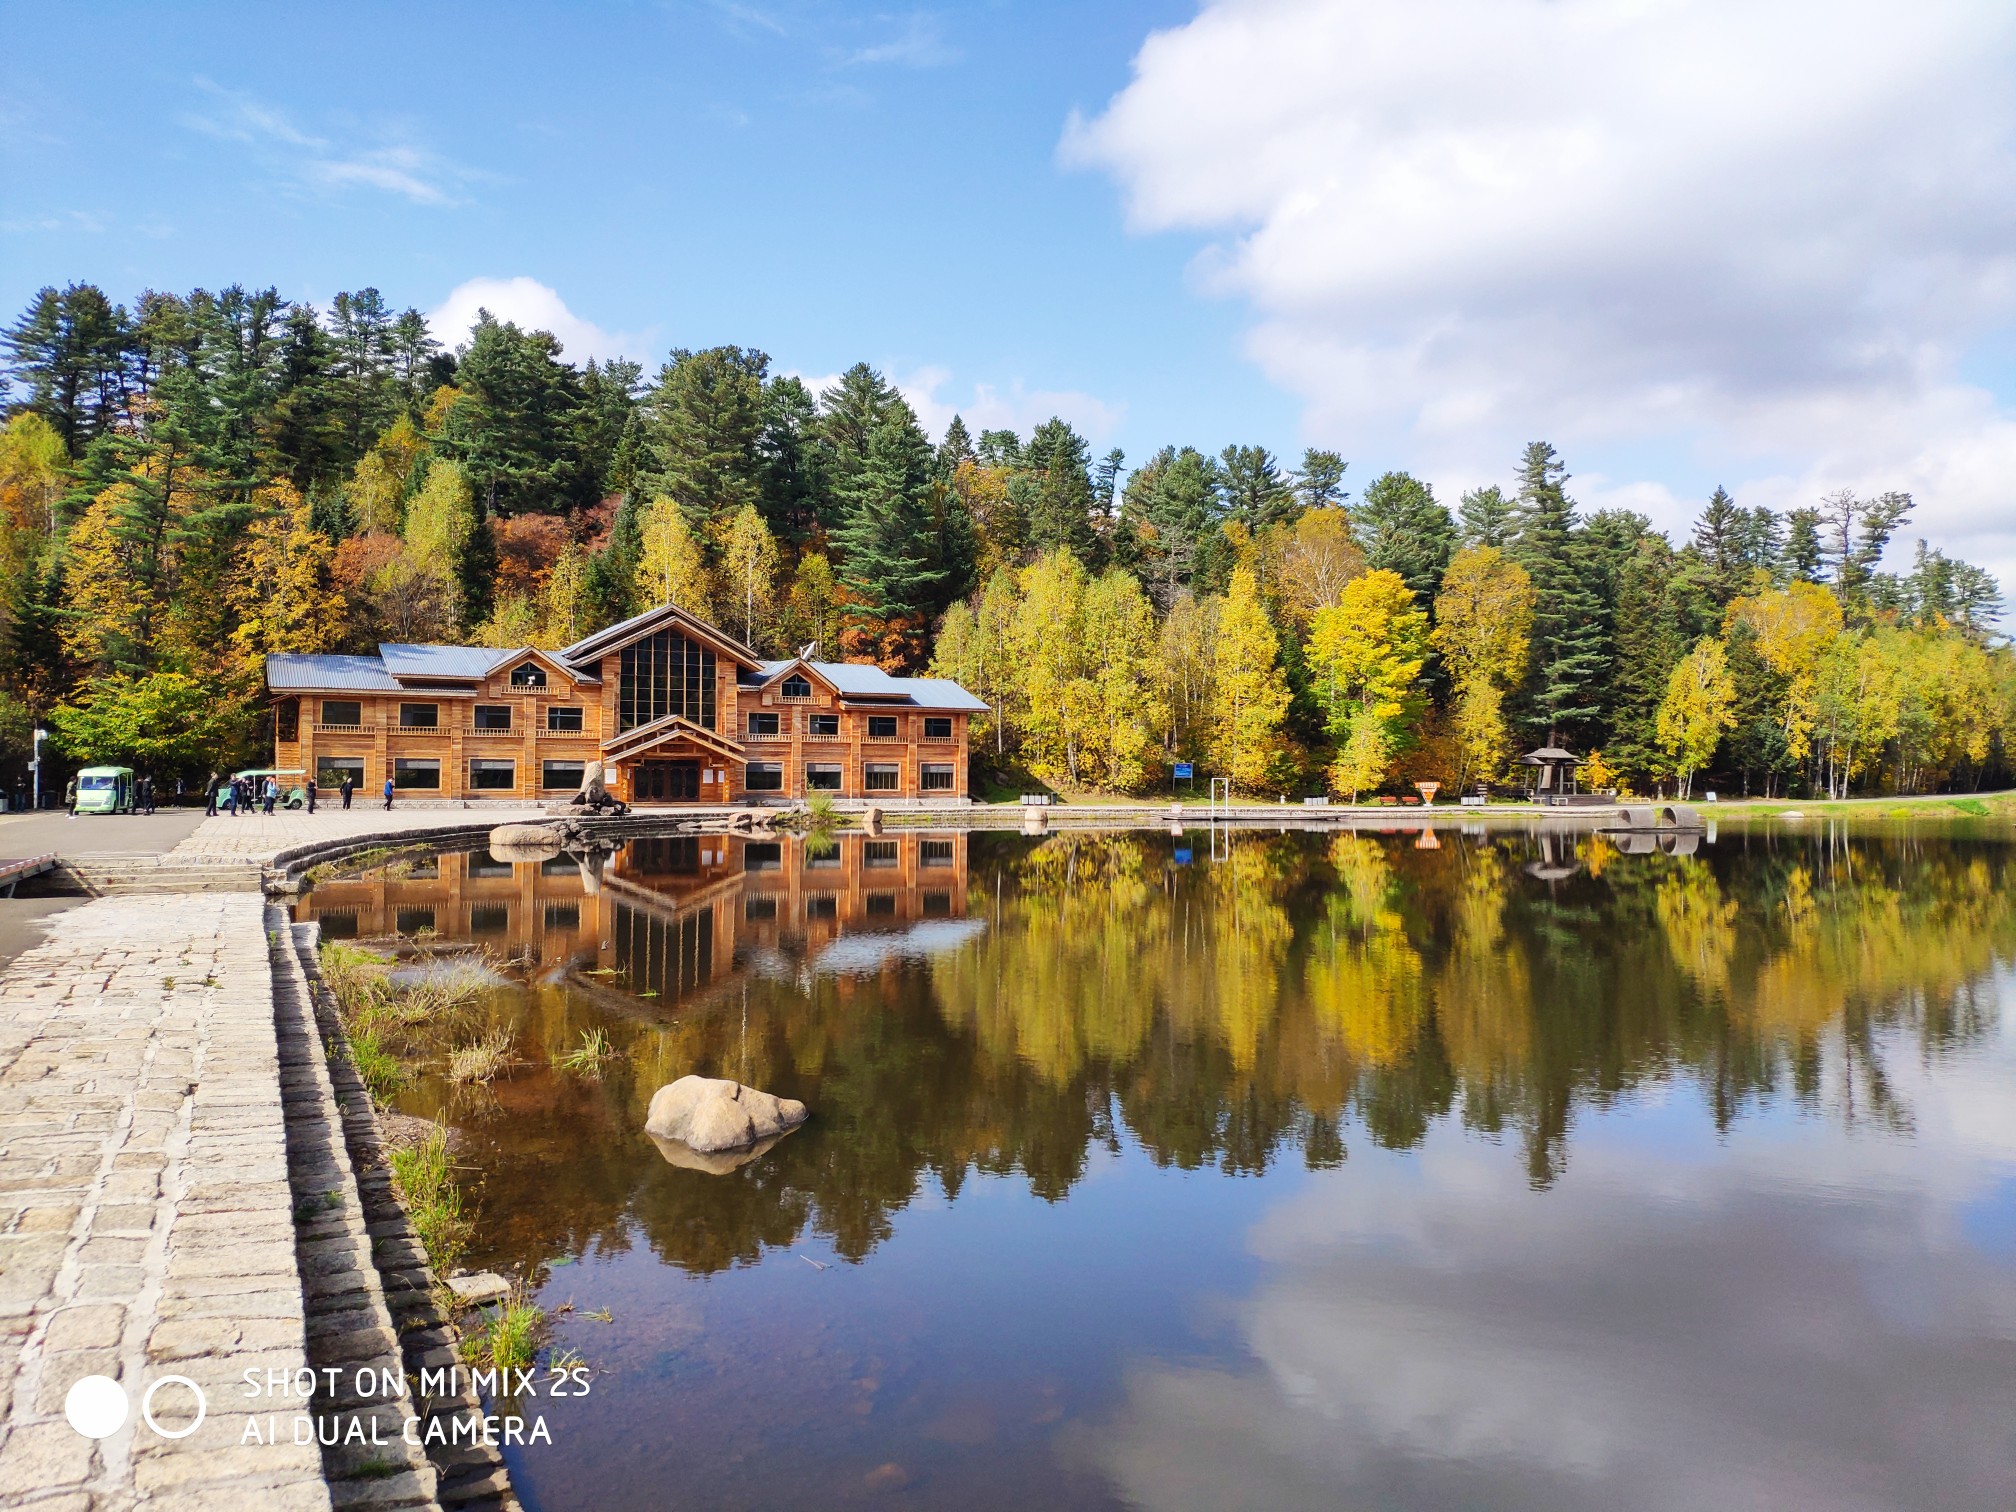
[97,1406]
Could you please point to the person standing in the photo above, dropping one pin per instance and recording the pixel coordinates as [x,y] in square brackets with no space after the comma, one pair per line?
[210,796]
[311,792]
[347,787]
[272,792]
[388,794]
[70,798]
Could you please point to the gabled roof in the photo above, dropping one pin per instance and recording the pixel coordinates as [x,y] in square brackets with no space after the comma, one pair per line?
[594,647]
[870,684]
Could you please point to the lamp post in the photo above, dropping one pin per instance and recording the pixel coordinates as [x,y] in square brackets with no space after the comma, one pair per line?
[35,766]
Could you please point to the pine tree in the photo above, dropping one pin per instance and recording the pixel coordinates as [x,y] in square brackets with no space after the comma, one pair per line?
[1722,537]
[71,353]
[1255,492]
[1319,481]
[1403,529]
[1563,697]
[957,447]
[1060,514]
[1650,640]
[887,563]
[1488,518]
[706,416]
[1803,559]
[515,428]
[793,496]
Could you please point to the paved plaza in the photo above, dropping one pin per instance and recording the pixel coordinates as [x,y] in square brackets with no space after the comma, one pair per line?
[145,1219]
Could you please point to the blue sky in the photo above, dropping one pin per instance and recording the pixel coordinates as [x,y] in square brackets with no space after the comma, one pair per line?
[829,183]
[1768,245]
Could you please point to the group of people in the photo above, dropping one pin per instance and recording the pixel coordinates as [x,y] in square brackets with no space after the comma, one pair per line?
[243,795]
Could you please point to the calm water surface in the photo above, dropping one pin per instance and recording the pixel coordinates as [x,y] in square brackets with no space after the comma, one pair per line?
[1273,1171]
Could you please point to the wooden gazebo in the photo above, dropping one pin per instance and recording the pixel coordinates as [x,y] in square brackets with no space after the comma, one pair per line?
[1554,771]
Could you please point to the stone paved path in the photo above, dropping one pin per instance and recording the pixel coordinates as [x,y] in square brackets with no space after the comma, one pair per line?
[146,1226]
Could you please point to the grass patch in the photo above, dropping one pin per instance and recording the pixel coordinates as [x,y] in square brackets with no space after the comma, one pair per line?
[1973,806]
[377,1067]
[509,1337]
[433,1203]
[589,1057]
[481,1060]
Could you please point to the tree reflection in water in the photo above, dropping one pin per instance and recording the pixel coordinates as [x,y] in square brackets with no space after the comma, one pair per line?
[950,1005]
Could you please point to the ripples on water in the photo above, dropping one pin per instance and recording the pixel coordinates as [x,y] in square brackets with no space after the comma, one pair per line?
[1302,1170]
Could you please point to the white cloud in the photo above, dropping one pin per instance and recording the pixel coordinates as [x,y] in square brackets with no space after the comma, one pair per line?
[532,306]
[1016,408]
[316,162]
[919,44]
[987,406]
[1764,231]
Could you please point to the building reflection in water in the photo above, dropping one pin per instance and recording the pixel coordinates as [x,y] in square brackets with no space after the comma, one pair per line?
[672,916]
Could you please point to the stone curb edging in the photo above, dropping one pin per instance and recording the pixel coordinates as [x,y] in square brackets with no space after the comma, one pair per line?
[349,1326]
[466,1477]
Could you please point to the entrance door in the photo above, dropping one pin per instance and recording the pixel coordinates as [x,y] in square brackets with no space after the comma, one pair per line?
[667,782]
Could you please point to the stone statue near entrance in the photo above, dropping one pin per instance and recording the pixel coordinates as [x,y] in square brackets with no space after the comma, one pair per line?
[595,795]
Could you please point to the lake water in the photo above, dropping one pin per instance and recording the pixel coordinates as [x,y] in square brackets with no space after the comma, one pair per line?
[1308,1170]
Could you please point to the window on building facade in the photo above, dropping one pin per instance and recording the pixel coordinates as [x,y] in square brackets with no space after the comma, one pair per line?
[490,918]
[796,687]
[342,711]
[880,853]
[821,777]
[490,774]
[493,716]
[882,777]
[483,864]
[881,726]
[762,855]
[937,727]
[563,916]
[822,726]
[416,772]
[937,905]
[665,674]
[419,716]
[763,777]
[331,770]
[565,717]
[881,905]
[762,724]
[561,774]
[528,675]
[410,921]
[822,906]
[759,906]
[287,719]
[935,852]
[937,777]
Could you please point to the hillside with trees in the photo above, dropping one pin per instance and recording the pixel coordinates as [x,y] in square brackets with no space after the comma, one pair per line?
[191,483]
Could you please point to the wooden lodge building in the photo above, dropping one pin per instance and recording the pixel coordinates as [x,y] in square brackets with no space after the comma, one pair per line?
[676,710]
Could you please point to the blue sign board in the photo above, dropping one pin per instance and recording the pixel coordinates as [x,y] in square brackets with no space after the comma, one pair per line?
[1183,771]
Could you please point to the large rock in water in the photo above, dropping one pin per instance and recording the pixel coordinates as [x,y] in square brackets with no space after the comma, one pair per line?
[710,1114]
[524,842]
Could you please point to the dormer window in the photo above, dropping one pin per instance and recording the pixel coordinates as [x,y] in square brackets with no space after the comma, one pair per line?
[528,675]
[796,687]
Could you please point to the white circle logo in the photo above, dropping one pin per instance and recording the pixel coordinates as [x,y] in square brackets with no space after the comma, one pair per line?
[97,1406]
[147,1407]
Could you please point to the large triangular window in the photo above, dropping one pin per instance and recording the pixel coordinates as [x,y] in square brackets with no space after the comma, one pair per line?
[528,675]
[796,687]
